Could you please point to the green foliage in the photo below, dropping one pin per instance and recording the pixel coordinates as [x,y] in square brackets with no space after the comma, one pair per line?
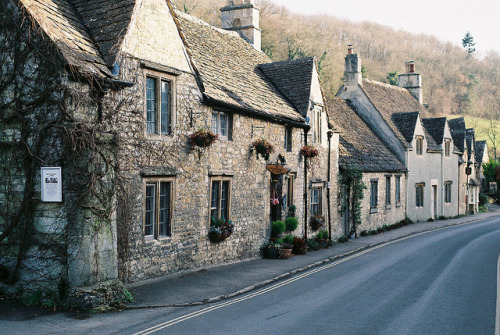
[288,239]
[291,223]
[468,43]
[364,71]
[319,236]
[392,78]
[489,170]
[483,199]
[351,177]
[277,228]
[325,234]
[312,244]
[280,241]
[129,298]
[342,239]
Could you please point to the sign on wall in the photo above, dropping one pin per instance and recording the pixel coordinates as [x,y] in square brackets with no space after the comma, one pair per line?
[51,184]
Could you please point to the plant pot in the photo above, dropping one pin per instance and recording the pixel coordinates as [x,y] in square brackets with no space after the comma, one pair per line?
[272,253]
[286,253]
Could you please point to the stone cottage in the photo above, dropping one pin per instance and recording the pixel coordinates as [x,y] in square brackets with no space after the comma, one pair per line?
[395,114]
[137,195]
[383,174]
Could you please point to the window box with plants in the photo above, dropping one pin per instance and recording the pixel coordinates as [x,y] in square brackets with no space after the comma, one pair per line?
[308,151]
[317,221]
[220,229]
[263,148]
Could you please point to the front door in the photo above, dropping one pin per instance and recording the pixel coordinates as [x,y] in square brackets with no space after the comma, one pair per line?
[276,196]
[345,210]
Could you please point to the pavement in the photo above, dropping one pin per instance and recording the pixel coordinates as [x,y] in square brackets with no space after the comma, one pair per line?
[216,283]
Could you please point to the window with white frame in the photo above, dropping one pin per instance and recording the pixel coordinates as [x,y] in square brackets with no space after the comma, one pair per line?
[160,104]
[158,207]
[419,196]
[220,197]
[221,125]
[316,200]
[447,192]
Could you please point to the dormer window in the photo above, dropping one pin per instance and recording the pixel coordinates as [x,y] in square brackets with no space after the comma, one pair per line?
[419,145]
[447,148]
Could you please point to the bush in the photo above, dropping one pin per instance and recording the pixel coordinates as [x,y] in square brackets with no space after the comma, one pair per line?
[319,236]
[291,223]
[312,245]
[288,239]
[483,199]
[277,228]
[364,233]
[342,239]
[299,246]
[325,234]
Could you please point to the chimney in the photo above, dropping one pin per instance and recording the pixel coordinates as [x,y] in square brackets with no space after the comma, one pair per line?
[352,74]
[412,81]
[242,16]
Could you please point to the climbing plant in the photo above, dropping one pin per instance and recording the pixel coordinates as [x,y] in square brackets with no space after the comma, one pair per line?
[352,179]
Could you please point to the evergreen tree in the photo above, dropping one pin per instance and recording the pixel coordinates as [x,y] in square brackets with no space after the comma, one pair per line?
[468,43]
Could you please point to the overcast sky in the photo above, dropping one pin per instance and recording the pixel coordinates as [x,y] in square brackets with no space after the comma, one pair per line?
[448,20]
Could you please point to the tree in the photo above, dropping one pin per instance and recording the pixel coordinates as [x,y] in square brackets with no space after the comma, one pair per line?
[392,78]
[489,170]
[468,43]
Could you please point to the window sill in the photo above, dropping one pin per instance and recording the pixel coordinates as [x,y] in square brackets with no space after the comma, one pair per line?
[373,210]
[388,206]
[398,204]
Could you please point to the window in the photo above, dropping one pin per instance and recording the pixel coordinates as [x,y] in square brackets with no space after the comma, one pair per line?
[220,198]
[158,208]
[374,194]
[317,125]
[221,125]
[159,105]
[447,145]
[420,145]
[290,185]
[387,191]
[398,190]
[447,192]
[288,139]
[316,200]
[419,194]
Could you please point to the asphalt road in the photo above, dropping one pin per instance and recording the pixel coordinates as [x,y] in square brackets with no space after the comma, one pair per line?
[441,282]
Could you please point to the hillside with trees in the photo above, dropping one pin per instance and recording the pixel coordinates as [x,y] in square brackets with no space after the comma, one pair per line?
[455,79]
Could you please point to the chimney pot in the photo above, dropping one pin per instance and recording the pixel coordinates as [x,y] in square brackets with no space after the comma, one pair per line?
[412,66]
[350,49]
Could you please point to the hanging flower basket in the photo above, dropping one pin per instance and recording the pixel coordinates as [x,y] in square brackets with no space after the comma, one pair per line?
[308,151]
[202,139]
[263,148]
[220,229]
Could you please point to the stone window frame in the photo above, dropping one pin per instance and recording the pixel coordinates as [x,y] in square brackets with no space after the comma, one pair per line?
[447,147]
[388,191]
[447,191]
[216,128]
[290,188]
[419,194]
[316,204]
[222,179]
[160,76]
[157,182]
[397,196]
[373,195]
[419,145]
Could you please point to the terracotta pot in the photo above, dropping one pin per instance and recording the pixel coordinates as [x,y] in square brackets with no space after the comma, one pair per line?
[286,253]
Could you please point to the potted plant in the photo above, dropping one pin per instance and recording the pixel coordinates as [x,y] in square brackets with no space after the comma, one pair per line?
[202,138]
[320,238]
[263,148]
[317,221]
[220,229]
[286,250]
[291,210]
[308,151]
[277,228]
[272,250]
[291,223]
[299,246]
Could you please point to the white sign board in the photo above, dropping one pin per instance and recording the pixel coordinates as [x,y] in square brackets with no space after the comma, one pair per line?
[51,184]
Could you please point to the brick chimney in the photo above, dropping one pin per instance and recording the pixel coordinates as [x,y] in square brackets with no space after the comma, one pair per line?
[352,73]
[412,81]
[242,16]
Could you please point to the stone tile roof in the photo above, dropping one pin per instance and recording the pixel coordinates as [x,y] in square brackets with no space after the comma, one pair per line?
[61,23]
[389,99]
[228,69]
[108,21]
[359,145]
[480,146]
[293,78]
[457,129]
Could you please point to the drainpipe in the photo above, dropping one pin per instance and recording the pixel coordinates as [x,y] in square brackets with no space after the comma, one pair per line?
[330,134]
[407,175]
[442,183]
[305,187]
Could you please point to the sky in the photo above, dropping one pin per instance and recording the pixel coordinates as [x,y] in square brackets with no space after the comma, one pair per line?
[448,20]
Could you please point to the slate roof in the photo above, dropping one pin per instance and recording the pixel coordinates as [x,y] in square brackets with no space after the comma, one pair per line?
[390,99]
[62,24]
[406,123]
[480,146]
[229,70]
[457,129]
[470,139]
[359,146]
[293,78]
[108,21]
[436,127]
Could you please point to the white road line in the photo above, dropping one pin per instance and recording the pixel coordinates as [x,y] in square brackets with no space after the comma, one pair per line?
[497,324]
[172,322]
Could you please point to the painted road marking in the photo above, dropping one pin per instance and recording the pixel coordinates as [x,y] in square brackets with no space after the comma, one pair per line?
[186,317]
